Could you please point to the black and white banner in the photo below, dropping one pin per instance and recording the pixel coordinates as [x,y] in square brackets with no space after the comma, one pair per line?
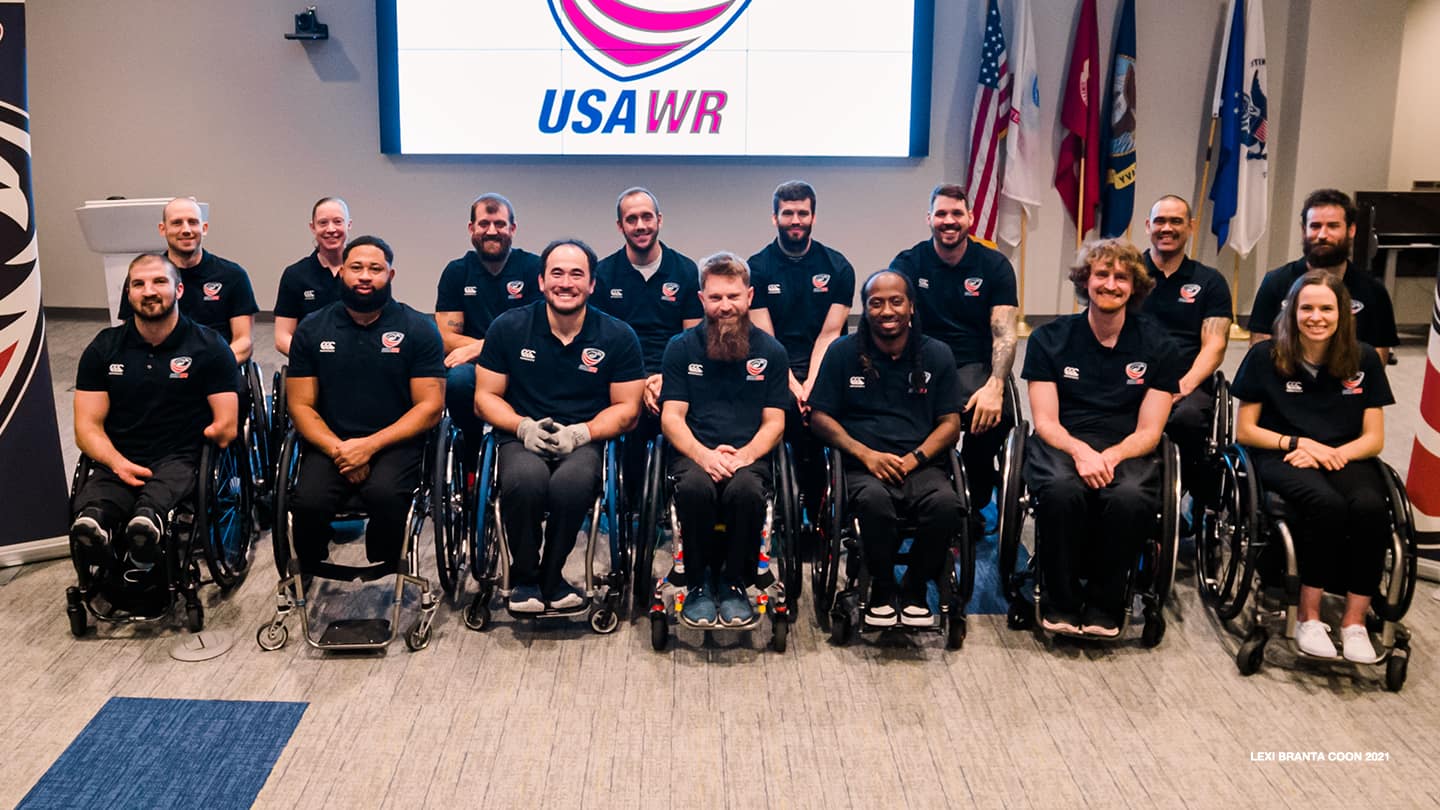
[33,502]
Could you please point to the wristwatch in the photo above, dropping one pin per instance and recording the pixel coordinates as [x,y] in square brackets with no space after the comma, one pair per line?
[1294,443]
[920,457]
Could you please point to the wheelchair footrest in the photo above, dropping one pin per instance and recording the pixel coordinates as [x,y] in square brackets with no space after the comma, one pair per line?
[356,631]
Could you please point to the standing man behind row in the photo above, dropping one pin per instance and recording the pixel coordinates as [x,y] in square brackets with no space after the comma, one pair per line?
[965,297]
[474,290]
[313,283]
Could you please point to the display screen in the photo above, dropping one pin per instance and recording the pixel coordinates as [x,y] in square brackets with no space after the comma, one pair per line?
[836,78]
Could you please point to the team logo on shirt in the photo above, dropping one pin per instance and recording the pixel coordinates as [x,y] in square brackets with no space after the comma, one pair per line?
[1136,373]
[179,367]
[590,360]
[327,346]
[755,368]
[773,289]
[1356,306]
[924,283]
[821,282]
[924,384]
[390,342]
[1188,293]
[309,295]
[617,293]
[669,290]
[972,286]
[857,382]
[696,370]
[212,290]
[1294,387]
[528,355]
[1072,373]
[514,288]
[1351,387]
[117,369]
[471,291]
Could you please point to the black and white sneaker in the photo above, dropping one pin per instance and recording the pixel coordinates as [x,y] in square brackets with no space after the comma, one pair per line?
[526,599]
[916,614]
[880,614]
[144,532]
[92,539]
[565,598]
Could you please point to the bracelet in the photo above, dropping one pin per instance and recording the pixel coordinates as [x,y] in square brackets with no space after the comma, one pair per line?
[1294,443]
[1284,440]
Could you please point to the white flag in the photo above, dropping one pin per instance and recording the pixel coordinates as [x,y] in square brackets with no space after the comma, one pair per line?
[1025,180]
[1252,202]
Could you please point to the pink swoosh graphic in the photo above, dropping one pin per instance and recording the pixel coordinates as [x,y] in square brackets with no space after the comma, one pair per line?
[659,21]
[623,51]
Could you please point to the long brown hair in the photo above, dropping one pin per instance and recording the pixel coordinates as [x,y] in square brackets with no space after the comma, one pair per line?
[1342,355]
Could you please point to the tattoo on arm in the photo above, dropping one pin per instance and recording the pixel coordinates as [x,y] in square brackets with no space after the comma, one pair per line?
[1002,335]
[1215,327]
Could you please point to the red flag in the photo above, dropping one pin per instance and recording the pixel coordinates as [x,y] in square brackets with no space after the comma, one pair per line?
[1080,116]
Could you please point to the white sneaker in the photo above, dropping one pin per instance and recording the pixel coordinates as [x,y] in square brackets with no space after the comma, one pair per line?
[1313,638]
[880,614]
[1356,641]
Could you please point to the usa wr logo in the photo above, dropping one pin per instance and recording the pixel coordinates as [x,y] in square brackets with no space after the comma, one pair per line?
[972,286]
[514,288]
[180,367]
[668,290]
[1136,373]
[212,290]
[755,368]
[591,359]
[1351,386]
[1188,293]
[632,39]
[821,281]
[390,342]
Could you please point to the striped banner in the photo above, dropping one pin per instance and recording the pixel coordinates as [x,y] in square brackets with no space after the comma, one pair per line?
[1423,480]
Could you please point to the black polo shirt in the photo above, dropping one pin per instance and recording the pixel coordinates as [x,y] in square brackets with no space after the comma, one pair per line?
[882,408]
[655,309]
[798,294]
[364,372]
[216,290]
[954,302]
[1369,302]
[569,384]
[1183,300]
[1316,406]
[305,287]
[1101,388]
[158,394]
[727,398]
[466,286]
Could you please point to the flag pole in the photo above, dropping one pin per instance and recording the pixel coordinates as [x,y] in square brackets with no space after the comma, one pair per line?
[1204,176]
[1022,329]
[1237,332]
[1079,222]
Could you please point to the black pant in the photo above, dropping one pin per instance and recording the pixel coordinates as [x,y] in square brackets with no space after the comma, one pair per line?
[980,451]
[1342,525]
[926,499]
[173,481]
[385,495]
[561,492]
[1189,428]
[738,502]
[1095,534]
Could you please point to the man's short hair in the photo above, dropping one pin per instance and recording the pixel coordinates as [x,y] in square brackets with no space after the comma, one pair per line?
[344,206]
[1177,198]
[143,258]
[584,248]
[165,212]
[1328,196]
[369,241]
[952,190]
[1112,251]
[724,264]
[492,201]
[632,191]
[793,191]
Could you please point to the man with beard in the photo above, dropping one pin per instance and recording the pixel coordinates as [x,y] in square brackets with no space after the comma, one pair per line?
[1101,384]
[556,379]
[965,297]
[313,283]
[217,291]
[725,393]
[1329,220]
[655,289]
[474,290]
[147,394]
[804,294]
[887,397]
[366,384]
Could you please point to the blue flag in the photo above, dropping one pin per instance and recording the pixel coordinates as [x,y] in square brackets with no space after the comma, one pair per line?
[1117,196]
[1231,108]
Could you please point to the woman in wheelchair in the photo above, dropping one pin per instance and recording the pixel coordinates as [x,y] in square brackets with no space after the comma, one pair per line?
[1310,410]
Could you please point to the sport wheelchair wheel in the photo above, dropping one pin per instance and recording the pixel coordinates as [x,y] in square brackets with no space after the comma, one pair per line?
[223,514]
[1227,546]
[258,436]
[449,506]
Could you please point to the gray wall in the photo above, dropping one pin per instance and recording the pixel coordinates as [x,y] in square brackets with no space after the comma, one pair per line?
[156,98]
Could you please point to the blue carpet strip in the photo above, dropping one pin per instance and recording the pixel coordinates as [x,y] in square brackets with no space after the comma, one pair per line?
[151,753]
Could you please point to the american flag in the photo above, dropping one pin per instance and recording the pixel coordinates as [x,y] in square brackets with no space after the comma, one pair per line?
[992,115]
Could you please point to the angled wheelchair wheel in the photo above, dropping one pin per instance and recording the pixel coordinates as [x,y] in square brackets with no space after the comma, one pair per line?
[825,560]
[223,513]
[448,506]
[258,435]
[1011,511]
[647,537]
[1398,576]
[790,536]
[1168,543]
[1226,545]
[279,418]
[287,470]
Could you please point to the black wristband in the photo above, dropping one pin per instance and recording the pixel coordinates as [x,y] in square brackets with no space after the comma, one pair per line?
[919,455]
[1294,443]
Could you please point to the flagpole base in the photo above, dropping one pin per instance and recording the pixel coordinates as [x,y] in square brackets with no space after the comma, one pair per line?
[1022,329]
[1238,332]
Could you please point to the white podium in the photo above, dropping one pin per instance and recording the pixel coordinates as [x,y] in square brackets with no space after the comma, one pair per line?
[118,230]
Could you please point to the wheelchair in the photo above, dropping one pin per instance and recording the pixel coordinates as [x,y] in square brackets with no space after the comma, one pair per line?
[489,550]
[434,497]
[1248,549]
[1152,577]
[777,575]
[840,604]
[255,426]
[213,524]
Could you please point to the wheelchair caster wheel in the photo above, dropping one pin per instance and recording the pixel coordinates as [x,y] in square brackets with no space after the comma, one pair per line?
[1395,671]
[840,628]
[75,609]
[604,621]
[1154,630]
[955,631]
[417,639]
[194,617]
[477,614]
[1251,654]
[659,631]
[780,632]
[272,637]
[1020,616]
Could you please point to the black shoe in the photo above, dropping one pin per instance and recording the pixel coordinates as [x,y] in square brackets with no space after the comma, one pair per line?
[92,540]
[880,608]
[144,533]
[915,612]
[566,597]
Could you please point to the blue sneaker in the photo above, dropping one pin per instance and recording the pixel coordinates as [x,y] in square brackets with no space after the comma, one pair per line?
[526,599]
[735,608]
[700,605]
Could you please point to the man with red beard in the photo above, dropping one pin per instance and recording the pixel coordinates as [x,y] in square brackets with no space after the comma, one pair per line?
[313,282]
[723,399]
[1329,220]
